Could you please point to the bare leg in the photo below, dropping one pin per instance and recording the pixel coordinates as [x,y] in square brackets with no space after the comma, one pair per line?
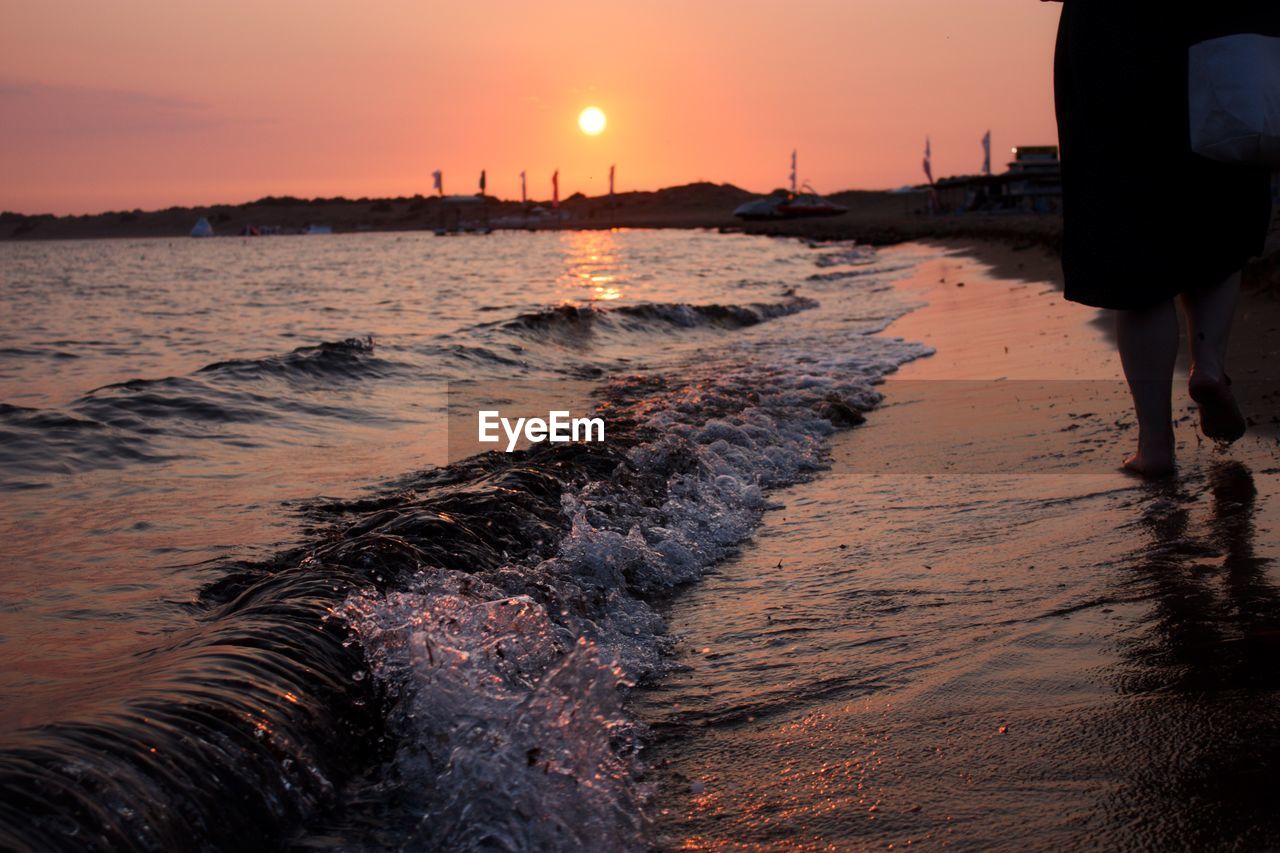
[1209,315]
[1148,340]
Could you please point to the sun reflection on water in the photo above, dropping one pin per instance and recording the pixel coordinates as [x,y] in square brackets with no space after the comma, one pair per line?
[595,269]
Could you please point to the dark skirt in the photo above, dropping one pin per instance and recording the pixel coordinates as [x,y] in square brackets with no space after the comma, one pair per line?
[1144,218]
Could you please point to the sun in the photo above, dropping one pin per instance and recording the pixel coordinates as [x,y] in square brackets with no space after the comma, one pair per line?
[592,121]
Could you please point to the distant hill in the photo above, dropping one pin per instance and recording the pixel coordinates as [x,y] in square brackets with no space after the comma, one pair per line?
[874,217]
[691,204]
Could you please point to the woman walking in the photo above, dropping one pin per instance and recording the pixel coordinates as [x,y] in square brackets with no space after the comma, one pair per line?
[1145,220]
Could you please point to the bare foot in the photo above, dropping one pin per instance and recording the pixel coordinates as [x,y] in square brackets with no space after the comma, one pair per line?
[1150,466]
[1154,457]
[1220,417]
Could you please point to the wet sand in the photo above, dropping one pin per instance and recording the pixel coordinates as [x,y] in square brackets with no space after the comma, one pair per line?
[974,628]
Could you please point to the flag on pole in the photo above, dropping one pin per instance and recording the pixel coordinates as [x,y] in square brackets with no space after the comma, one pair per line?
[793,171]
[482,182]
[437,181]
[611,168]
[524,196]
[986,153]
[555,188]
[934,202]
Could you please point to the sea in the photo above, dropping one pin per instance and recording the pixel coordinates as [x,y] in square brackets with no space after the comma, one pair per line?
[250,598]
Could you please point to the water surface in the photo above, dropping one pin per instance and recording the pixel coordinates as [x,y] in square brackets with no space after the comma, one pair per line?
[235,551]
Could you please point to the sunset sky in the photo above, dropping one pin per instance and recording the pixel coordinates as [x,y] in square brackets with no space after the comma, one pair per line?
[149,104]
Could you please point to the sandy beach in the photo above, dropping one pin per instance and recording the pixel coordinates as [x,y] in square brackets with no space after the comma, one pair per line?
[996,638]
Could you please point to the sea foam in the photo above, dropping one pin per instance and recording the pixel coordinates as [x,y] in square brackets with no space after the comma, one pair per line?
[509,683]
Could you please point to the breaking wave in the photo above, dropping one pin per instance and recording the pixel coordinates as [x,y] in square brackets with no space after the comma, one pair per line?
[442,665]
[572,322]
[507,680]
[351,359]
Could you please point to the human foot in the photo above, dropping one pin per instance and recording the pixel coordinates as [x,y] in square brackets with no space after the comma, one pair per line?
[1220,417]
[1151,466]
[1154,457]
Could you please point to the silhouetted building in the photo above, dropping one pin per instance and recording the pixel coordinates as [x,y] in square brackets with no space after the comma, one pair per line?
[1035,179]
[1032,184]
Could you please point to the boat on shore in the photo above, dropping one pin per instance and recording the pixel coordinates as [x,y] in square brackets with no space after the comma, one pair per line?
[785,205]
[803,202]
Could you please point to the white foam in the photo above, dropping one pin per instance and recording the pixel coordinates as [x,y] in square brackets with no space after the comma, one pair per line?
[509,681]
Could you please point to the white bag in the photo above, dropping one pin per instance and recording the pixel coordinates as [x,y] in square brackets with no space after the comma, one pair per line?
[1235,99]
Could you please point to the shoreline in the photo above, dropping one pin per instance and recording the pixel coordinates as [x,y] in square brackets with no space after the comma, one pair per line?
[876,217]
[922,651]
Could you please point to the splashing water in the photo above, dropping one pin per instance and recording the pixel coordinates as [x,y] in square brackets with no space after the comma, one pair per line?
[509,682]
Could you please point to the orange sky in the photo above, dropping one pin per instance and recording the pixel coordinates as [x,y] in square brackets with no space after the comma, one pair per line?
[150,103]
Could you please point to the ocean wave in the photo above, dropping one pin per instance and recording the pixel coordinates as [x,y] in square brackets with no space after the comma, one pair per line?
[575,323]
[840,275]
[846,254]
[497,752]
[502,604]
[151,406]
[233,392]
[36,352]
[442,666]
[239,729]
[128,422]
[35,443]
[471,354]
[225,734]
[350,359]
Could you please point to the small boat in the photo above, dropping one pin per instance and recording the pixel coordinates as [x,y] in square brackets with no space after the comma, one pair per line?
[810,204]
[801,203]
[789,206]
